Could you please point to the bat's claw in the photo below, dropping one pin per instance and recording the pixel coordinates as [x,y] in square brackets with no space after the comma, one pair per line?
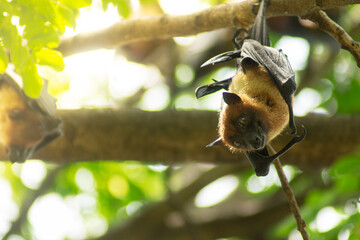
[18,154]
[302,136]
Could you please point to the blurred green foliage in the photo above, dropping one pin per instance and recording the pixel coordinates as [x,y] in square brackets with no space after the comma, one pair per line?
[123,6]
[340,192]
[29,32]
[116,185]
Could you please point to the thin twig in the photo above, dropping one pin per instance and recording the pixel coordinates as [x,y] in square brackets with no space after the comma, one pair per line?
[327,25]
[291,197]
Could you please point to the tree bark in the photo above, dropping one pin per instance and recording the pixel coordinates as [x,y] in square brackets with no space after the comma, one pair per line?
[238,14]
[176,137]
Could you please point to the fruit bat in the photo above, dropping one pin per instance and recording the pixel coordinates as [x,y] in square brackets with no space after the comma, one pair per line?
[26,124]
[258,102]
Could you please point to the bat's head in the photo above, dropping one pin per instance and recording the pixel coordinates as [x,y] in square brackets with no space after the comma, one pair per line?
[242,125]
[22,129]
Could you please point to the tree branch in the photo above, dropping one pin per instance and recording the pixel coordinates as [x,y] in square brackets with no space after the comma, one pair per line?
[175,137]
[336,31]
[291,197]
[238,14]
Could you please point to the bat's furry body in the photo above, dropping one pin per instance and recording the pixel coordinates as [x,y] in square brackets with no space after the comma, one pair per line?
[259,95]
[258,104]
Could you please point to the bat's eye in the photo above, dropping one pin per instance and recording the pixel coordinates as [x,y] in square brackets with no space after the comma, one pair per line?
[236,141]
[241,122]
[15,114]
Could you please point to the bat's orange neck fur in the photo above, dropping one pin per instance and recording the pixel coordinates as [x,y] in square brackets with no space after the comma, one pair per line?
[259,94]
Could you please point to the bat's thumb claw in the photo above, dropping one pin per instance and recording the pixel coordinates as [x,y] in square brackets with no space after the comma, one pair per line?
[302,136]
[217,142]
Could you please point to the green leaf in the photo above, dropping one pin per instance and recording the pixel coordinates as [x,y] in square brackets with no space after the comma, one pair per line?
[347,173]
[20,57]
[348,99]
[77,3]
[346,165]
[124,8]
[32,82]
[39,36]
[3,60]
[147,1]
[51,58]
[47,10]
[13,42]
[348,183]
[68,16]
[105,4]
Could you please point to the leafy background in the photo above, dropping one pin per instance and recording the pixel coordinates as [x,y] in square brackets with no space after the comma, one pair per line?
[100,195]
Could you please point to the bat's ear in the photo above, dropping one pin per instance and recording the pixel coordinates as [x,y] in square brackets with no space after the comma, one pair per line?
[231,98]
[217,142]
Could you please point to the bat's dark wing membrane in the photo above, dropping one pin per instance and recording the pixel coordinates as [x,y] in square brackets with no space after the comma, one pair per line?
[46,104]
[218,85]
[259,161]
[278,66]
[223,57]
[260,31]
[212,87]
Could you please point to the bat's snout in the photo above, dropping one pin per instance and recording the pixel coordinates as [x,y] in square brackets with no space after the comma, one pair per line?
[258,140]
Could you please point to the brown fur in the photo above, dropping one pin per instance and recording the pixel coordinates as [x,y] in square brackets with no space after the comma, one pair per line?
[26,130]
[259,95]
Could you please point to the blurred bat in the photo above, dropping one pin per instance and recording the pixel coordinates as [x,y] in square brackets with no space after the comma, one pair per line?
[26,124]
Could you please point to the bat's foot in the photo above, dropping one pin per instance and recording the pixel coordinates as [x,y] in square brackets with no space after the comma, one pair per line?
[293,132]
[240,35]
[256,6]
[302,136]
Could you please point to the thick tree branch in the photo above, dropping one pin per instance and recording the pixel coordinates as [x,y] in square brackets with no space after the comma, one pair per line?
[175,137]
[238,14]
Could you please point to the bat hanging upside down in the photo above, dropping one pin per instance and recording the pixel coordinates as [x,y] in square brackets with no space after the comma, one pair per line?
[26,124]
[258,104]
